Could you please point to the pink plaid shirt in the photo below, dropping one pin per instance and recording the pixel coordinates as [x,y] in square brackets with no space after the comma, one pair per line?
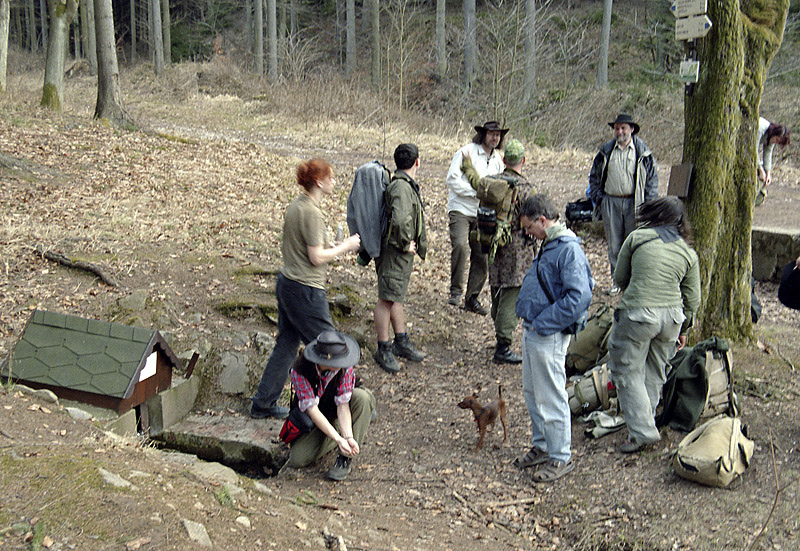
[306,396]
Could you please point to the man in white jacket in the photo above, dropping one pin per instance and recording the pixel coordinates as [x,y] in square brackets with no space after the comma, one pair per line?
[462,210]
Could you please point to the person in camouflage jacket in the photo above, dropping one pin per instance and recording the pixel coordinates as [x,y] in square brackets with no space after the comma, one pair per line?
[512,260]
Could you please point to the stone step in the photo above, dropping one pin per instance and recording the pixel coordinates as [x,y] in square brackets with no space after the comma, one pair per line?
[240,442]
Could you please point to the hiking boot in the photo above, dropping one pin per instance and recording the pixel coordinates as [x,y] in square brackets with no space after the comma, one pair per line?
[504,355]
[340,469]
[385,358]
[472,304]
[454,300]
[276,412]
[404,348]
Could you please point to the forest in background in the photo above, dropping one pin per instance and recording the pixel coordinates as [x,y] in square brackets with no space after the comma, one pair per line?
[303,41]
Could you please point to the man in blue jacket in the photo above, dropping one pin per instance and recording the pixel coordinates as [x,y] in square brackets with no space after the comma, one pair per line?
[555,295]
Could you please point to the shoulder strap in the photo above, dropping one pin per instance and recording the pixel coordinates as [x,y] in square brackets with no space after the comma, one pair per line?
[541,281]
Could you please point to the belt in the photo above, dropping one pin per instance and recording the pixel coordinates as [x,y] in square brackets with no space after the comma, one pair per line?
[621,196]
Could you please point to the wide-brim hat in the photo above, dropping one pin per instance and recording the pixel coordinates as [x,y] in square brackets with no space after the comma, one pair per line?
[624,118]
[493,126]
[333,349]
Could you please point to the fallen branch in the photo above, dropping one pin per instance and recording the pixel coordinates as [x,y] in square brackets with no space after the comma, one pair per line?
[511,503]
[4,433]
[77,264]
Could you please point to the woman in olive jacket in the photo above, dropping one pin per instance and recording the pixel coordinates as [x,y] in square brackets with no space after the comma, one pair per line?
[659,273]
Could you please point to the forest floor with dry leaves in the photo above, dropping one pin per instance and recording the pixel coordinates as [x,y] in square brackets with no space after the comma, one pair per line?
[191,213]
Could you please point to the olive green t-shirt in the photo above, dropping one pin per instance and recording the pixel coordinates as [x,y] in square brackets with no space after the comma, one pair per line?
[303,227]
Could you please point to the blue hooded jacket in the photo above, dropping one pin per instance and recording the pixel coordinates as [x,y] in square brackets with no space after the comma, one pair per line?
[564,269]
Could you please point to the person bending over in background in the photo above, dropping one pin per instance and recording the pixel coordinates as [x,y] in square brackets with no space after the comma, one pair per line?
[769,135]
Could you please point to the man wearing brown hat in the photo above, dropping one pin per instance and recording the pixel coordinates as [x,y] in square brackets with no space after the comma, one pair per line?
[623,176]
[462,211]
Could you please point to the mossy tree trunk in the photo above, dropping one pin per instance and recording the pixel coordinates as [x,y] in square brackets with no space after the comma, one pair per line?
[720,133]
[61,15]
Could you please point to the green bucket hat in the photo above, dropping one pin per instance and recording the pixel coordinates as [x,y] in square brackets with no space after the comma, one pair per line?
[514,152]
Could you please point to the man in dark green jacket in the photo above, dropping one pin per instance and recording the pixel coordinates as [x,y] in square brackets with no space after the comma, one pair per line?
[405,237]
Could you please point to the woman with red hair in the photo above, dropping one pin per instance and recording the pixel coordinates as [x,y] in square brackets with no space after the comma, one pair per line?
[300,289]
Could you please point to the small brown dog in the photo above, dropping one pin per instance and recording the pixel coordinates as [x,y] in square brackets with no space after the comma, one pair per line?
[485,416]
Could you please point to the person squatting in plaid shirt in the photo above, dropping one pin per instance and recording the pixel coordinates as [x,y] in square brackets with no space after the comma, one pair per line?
[323,379]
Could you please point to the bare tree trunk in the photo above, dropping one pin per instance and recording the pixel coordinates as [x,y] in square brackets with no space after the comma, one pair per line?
[248,24]
[91,37]
[441,40]
[719,139]
[109,98]
[5,14]
[33,45]
[350,54]
[529,81]
[133,29]
[375,35]
[166,23]
[258,27]
[157,36]
[76,34]
[470,44]
[272,41]
[43,9]
[281,33]
[605,39]
[292,18]
[60,18]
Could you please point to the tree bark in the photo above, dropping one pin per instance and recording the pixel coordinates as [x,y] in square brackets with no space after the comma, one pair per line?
[605,40]
[470,44]
[61,15]
[133,29]
[375,36]
[166,23]
[157,36]
[91,37]
[109,98]
[43,9]
[719,139]
[258,28]
[529,79]
[5,14]
[30,8]
[272,41]
[441,40]
[350,53]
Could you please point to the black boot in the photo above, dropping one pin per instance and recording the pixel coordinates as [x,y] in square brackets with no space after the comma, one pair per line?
[472,304]
[404,348]
[504,355]
[385,359]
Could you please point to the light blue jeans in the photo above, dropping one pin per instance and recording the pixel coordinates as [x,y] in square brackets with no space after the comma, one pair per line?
[544,382]
[641,343]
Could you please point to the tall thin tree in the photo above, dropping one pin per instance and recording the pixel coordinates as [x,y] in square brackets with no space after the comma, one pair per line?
[61,16]
[91,37]
[109,97]
[441,40]
[375,36]
[605,40]
[5,14]
[272,41]
[350,53]
[156,36]
[258,29]
[166,31]
[531,23]
[470,44]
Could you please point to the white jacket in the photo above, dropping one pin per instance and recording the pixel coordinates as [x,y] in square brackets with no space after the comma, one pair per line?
[462,197]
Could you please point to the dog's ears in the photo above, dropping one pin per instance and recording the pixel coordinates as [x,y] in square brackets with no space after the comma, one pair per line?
[475,394]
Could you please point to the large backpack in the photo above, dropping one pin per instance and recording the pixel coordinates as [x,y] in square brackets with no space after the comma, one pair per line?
[498,196]
[590,344]
[366,212]
[700,385]
[714,453]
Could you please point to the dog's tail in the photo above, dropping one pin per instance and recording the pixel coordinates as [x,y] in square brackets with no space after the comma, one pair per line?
[500,391]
